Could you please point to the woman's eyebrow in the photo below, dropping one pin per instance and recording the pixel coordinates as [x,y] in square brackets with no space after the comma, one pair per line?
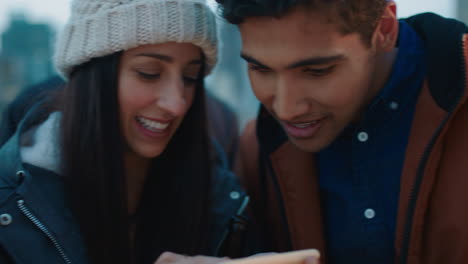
[166,58]
[156,56]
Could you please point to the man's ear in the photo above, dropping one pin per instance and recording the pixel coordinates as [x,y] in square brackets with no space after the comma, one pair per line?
[386,32]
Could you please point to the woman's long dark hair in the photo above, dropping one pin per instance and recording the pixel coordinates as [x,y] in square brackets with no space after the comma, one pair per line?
[173,212]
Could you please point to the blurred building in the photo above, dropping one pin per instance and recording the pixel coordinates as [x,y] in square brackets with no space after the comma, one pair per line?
[463,10]
[25,57]
[229,80]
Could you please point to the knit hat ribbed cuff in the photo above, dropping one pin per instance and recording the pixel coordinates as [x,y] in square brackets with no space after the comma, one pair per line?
[101,27]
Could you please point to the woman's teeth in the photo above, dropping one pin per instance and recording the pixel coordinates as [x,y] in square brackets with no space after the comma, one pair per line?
[304,125]
[152,125]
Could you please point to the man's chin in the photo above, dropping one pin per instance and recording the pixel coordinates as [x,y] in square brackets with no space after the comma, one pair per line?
[307,144]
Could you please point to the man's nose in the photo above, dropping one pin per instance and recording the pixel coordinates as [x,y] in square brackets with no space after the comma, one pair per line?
[289,101]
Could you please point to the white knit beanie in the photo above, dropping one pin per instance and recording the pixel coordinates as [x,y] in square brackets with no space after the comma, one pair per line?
[101,27]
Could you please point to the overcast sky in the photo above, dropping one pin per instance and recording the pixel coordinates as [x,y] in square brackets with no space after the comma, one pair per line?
[56,12]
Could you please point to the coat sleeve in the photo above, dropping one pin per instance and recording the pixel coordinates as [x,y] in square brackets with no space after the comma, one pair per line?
[4,257]
[246,165]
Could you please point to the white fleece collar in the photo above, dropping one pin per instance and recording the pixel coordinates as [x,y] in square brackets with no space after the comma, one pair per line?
[40,144]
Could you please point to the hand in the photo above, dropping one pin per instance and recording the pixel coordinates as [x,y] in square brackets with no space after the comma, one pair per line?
[306,256]
[173,258]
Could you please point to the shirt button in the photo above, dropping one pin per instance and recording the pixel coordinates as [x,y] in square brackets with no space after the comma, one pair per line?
[234,195]
[5,219]
[369,213]
[362,136]
[393,105]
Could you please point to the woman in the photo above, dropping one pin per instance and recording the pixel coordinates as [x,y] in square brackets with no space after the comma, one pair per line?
[119,168]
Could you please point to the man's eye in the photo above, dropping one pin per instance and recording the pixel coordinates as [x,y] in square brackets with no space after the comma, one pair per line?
[148,76]
[189,80]
[257,68]
[317,72]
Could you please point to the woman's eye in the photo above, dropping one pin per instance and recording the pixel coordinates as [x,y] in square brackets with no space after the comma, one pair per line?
[148,76]
[318,72]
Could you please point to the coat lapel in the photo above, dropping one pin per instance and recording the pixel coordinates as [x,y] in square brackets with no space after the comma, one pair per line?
[427,119]
[298,183]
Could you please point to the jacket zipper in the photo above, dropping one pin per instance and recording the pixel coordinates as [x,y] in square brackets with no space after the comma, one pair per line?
[244,204]
[415,193]
[420,173]
[239,212]
[39,225]
[464,55]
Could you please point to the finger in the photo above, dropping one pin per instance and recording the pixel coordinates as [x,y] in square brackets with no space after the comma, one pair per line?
[263,254]
[311,260]
[207,260]
[169,257]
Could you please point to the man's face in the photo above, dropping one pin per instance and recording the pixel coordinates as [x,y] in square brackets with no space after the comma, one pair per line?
[310,77]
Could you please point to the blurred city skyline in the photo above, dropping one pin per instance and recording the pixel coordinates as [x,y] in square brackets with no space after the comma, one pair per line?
[56,12]
[228,82]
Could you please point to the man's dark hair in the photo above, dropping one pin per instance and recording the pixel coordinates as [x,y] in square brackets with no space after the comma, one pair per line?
[351,16]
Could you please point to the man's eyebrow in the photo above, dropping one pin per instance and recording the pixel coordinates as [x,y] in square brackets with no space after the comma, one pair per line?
[315,61]
[301,63]
[249,59]
[166,58]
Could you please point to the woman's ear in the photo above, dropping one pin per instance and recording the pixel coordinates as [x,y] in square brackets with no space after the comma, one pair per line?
[386,32]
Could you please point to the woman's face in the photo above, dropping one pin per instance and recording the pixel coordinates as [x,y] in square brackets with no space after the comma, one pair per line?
[156,88]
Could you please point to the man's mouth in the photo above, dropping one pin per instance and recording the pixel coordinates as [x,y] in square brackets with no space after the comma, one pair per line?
[303,129]
[305,125]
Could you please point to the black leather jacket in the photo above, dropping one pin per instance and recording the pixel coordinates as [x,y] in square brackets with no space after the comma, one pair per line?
[37,227]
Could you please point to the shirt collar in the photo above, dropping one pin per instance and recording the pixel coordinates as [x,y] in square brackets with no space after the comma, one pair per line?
[402,86]
[405,79]
[407,63]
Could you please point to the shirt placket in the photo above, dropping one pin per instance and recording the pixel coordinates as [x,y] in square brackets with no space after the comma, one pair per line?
[367,208]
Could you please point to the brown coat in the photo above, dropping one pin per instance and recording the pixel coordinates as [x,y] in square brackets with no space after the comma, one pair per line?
[432,223]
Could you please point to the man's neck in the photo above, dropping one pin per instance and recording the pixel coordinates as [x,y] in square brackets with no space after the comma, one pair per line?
[385,63]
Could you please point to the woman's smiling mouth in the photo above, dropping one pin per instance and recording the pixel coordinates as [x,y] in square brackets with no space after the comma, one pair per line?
[153,125]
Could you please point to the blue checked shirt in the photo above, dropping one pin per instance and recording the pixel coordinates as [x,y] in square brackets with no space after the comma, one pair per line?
[359,173]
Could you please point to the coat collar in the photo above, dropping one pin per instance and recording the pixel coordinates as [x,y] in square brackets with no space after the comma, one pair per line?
[11,164]
[296,175]
[445,70]
[297,179]
[40,145]
[52,213]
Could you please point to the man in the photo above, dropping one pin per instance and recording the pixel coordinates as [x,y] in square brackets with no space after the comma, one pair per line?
[360,146]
